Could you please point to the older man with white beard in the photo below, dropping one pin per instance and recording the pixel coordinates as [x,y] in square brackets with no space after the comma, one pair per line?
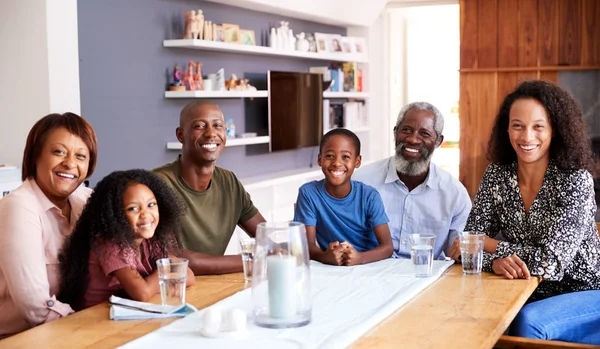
[418,195]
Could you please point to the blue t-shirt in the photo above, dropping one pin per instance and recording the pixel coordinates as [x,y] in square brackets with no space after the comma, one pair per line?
[350,219]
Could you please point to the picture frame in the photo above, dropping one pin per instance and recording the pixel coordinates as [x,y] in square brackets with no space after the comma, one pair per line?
[321,41]
[231,33]
[360,46]
[334,43]
[247,37]
[348,44]
[218,33]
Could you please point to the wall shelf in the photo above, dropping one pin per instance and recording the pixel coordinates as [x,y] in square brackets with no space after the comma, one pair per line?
[263,50]
[356,95]
[216,94]
[230,142]
[253,94]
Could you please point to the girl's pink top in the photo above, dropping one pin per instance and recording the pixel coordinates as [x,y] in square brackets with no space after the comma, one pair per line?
[107,258]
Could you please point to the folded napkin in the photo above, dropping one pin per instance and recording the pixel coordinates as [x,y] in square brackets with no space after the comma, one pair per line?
[126,309]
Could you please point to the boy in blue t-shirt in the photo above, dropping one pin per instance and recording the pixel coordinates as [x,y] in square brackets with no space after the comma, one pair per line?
[346,217]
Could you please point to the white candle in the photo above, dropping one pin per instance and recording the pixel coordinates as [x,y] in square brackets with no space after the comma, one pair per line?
[281,274]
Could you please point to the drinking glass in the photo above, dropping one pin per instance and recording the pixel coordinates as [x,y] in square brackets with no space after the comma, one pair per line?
[281,276]
[421,253]
[172,274]
[471,252]
[247,248]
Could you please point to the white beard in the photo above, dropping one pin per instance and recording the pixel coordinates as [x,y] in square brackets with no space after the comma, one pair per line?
[415,167]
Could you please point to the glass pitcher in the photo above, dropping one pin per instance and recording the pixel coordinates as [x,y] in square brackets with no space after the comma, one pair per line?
[281,276]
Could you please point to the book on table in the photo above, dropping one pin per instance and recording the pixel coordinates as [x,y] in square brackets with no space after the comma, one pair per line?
[126,309]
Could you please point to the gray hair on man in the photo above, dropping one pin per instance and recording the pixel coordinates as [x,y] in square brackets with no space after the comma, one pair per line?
[438,118]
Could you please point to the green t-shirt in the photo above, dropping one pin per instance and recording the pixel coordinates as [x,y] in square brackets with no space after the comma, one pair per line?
[213,213]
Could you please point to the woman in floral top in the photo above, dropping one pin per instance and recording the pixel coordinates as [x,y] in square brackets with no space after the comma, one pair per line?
[539,193]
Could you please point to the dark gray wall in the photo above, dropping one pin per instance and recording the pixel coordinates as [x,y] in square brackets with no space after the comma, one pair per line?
[585,87]
[123,75]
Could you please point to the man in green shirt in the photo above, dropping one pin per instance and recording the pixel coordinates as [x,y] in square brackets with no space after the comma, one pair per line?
[215,198]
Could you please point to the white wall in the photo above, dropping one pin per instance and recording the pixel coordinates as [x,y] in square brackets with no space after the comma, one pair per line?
[334,12]
[376,72]
[38,68]
[24,74]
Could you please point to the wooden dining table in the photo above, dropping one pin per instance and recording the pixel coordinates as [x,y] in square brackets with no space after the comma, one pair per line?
[456,311]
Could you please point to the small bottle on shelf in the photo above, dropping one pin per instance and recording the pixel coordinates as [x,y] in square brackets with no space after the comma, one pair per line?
[230,128]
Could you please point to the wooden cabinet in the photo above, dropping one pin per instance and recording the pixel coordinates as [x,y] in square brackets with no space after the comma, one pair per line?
[504,42]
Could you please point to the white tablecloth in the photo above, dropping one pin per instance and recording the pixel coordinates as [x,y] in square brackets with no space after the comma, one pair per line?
[347,302]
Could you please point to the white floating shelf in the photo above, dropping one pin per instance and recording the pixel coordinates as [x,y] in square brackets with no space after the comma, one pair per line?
[357,95]
[253,94]
[263,50]
[216,94]
[230,142]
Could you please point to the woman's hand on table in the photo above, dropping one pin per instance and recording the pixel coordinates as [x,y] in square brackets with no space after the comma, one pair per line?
[511,267]
[489,246]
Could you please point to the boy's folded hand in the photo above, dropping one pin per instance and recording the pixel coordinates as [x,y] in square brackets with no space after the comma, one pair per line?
[350,255]
[335,253]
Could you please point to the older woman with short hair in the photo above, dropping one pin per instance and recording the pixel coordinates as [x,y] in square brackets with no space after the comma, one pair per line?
[36,218]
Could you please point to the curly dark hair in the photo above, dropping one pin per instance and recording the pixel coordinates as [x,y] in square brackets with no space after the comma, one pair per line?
[103,219]
[570,146]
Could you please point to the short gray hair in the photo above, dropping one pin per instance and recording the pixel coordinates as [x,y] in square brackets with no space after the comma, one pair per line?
[438,118]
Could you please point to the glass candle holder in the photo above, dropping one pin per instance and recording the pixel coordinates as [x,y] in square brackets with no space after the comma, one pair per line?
[281,276]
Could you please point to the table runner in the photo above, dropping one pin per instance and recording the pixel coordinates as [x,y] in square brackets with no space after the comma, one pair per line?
[347,302]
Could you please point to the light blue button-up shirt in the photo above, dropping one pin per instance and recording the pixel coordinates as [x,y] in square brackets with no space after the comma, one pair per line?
[440,205]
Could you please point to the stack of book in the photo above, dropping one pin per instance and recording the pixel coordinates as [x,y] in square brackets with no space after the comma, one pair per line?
[345,77]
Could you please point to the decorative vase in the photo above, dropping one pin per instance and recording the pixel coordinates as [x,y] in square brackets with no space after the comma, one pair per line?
[281,276]
[301,43]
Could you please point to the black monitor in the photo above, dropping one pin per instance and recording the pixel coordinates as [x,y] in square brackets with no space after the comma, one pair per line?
[295,109]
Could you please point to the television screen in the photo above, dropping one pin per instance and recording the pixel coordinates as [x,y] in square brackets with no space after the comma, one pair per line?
[295,109]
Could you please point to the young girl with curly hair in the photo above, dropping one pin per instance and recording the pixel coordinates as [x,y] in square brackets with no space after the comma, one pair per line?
[129,222]
[539,193]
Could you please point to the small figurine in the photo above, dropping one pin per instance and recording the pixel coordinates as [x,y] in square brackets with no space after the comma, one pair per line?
[200,23]
[177,84]
[220,80]
[243,84]
[190,85]
[176,76]
[312,44]
[231,83]
[188,25]
[198,78]
[301,44]
[194,26]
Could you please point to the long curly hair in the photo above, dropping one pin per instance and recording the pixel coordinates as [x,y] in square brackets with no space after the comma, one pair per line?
[570,147]
[103,219]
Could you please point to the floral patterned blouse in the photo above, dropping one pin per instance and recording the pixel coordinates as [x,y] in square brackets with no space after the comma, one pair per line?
[557,239]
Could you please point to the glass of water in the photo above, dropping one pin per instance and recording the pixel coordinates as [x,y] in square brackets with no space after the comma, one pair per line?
[471,252]
[172,274]
[421,253]
[247,248]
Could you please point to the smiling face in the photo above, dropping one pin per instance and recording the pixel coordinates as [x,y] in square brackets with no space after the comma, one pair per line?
[141,210]
[338,160]
[529,131]
[415,141]
[62,165]
[202,133]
